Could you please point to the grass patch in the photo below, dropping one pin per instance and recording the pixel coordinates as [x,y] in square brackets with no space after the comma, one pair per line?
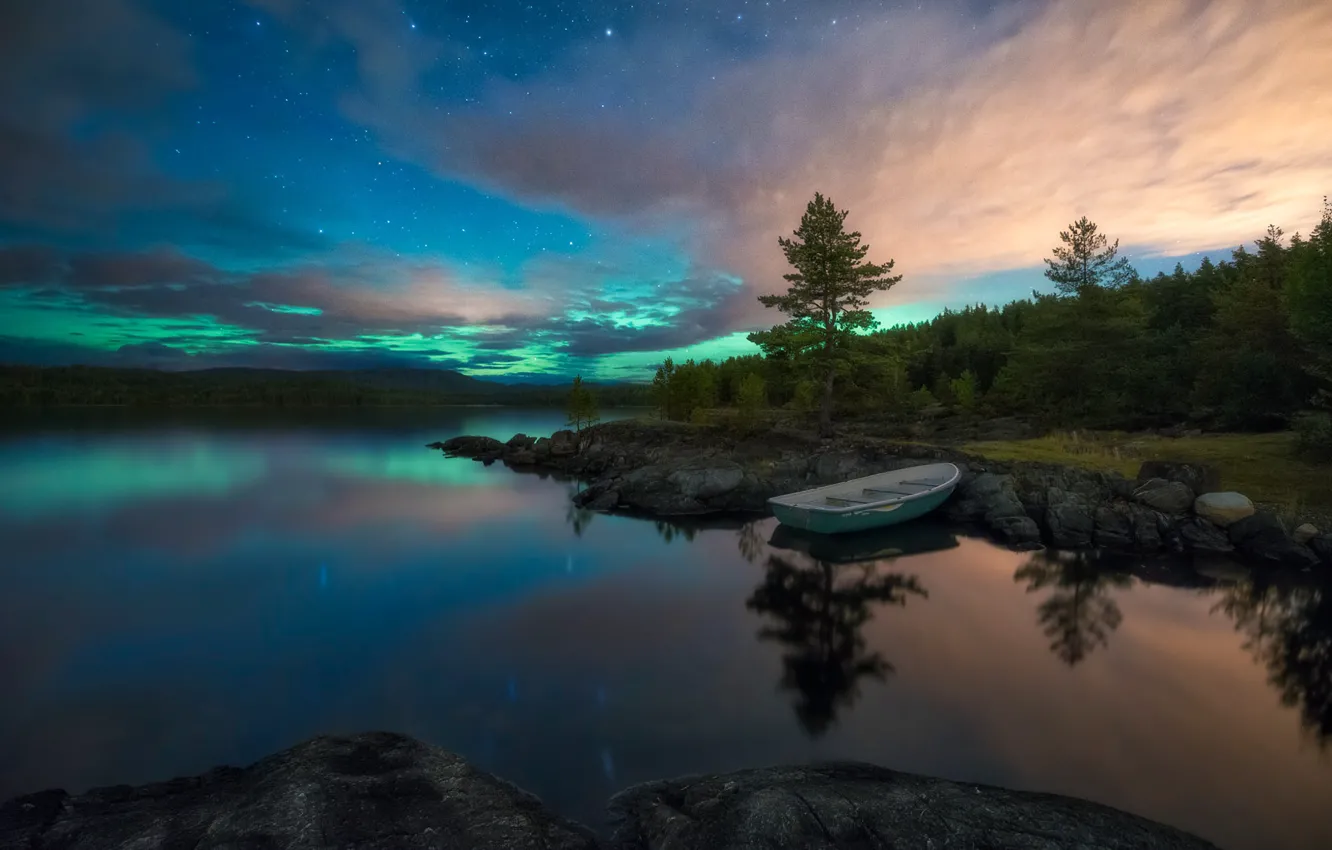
[1263,467]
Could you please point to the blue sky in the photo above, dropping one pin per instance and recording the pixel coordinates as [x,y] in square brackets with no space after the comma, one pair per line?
[520,188]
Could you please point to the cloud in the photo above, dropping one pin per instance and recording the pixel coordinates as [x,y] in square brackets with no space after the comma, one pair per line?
[960,144]
[80,65]
[81,85]
[357,302]
[28,264]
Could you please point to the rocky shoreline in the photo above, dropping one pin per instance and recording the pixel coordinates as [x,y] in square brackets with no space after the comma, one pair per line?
[380,790]
[669,470]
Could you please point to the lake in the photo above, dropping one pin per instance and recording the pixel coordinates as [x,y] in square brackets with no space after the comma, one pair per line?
[188,590]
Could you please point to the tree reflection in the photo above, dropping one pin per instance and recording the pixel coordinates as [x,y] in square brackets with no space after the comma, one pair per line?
[750,541]
[579,518]
[1288,626]
[1080,613]
[672,531]
[818,609]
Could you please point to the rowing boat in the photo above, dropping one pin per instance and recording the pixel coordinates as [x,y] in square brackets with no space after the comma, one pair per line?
[875,501]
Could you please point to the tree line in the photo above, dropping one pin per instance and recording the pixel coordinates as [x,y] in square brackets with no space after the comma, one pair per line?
[55,386]
[1244,343]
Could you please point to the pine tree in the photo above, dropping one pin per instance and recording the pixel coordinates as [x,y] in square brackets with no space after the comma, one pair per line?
[829,292]
[750,398]
[1085,261]
[661,389]
[581,406]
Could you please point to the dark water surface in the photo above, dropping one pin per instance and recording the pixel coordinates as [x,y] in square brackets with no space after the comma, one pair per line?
[178,595]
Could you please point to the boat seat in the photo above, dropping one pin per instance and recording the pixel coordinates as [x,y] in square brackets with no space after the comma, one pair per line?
[831,499]
[889,491]
[923,483]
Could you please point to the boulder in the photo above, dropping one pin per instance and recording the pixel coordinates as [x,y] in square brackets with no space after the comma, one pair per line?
[834,466]
[1020,532]
[372,791]
[1304,533]
[1168,497]
[1149,528]
[985,497]
[520,441]
[836,806]
[1223,509]
[542,447]
[1322,547]
[563,444]
[1069,520]
[1198,477]
[1261,536]
[1199,535]
[1113,528]
[707,481]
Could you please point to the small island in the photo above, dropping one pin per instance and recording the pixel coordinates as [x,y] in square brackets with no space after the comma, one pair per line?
[1074,358]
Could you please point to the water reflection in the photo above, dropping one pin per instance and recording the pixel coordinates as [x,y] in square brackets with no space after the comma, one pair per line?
[816,609]
[1080,613]
[917,538]
[579,518]
[320,580]
[1287,623]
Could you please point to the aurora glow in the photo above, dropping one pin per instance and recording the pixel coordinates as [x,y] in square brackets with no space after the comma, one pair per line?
[519,189]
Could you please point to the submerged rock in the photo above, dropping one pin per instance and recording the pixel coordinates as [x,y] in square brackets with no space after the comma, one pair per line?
[1223,509]
[380,791]
[825,807]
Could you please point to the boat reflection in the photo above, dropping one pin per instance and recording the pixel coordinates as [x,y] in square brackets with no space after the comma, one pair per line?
[916,538]
[817,597]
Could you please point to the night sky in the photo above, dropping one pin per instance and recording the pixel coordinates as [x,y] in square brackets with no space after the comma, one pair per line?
[542,188]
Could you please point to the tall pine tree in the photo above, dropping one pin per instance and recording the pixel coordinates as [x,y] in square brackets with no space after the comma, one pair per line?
[1085,260]
[830,289]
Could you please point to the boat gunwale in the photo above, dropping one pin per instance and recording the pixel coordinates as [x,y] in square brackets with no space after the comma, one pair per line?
[867,506]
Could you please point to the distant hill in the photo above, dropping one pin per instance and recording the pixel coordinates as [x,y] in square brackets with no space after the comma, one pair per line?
[53,386]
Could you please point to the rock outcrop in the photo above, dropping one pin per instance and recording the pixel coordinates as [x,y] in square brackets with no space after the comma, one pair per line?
[825,807]
[370,791]
[664,469]
[388,791]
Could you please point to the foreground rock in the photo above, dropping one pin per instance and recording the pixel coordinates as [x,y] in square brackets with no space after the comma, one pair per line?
[388,791]
[368,791]
[832,806]
[664,469]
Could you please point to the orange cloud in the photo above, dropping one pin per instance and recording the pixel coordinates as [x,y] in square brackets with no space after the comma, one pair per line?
[1178,126]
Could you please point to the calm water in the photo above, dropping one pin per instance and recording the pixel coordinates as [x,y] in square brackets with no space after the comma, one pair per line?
[174,596]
